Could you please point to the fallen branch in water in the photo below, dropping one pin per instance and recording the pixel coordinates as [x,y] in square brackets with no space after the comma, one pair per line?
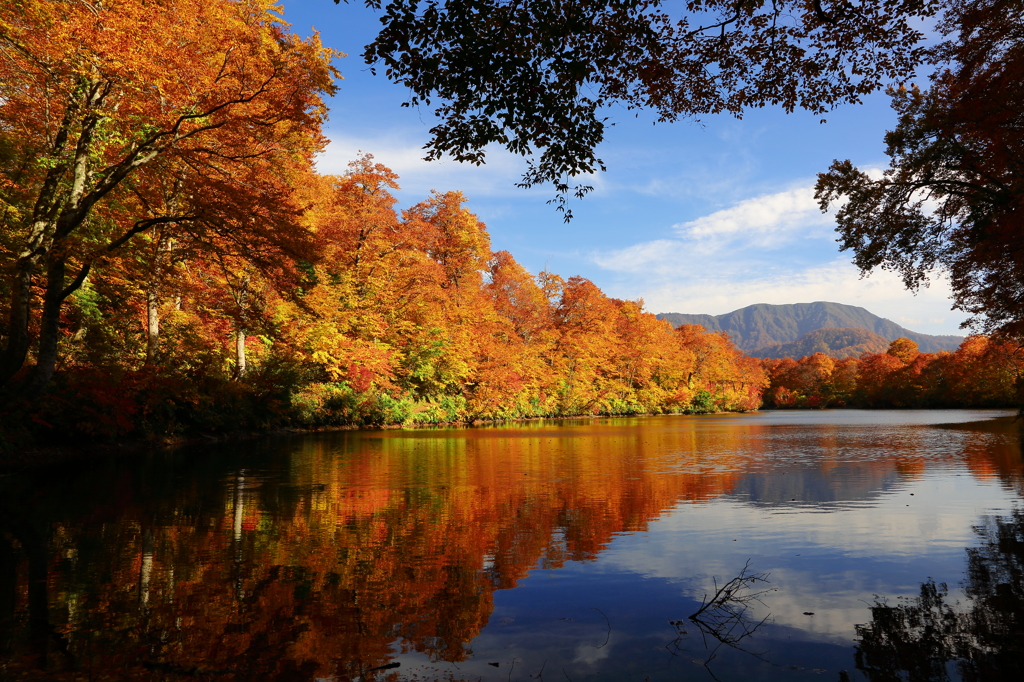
[725,615]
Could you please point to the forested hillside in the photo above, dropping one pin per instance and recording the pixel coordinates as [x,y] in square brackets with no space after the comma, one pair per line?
[761,325]
[356,314]
[836,342]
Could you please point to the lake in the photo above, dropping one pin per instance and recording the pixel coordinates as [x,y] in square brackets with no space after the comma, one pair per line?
[873,545]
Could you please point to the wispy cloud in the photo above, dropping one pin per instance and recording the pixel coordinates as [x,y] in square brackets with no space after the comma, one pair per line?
[768,221]
[735,237]
[403,153]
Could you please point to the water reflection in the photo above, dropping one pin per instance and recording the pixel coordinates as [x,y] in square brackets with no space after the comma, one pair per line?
[932,637]
[341,555]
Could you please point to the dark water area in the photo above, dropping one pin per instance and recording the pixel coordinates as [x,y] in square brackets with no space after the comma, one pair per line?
[876,546]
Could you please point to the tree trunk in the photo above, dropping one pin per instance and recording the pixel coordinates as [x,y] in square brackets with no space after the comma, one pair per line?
[13,357]
[241,296]
[239,354]
[49,323]
[152,325]
[49,330]
[8,594]
[153,292]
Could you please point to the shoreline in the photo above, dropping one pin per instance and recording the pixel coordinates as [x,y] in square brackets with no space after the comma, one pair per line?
[49,455]
[46,455]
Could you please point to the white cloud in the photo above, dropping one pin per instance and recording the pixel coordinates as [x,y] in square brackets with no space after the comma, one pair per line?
[767,221]
[403,153]
[882,293]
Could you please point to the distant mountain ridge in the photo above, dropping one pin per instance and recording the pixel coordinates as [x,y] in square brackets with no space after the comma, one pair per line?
[763,324]
[838,342]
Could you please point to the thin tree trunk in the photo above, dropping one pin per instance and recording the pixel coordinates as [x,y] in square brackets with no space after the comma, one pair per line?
[156,276]
[239,354]
[152,325]
[241,296]
[18,341]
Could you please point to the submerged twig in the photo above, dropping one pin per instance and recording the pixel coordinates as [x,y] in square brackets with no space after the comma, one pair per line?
[609,635]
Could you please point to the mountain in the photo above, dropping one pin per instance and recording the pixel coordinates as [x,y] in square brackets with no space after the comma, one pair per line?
[839,342]
[761,325]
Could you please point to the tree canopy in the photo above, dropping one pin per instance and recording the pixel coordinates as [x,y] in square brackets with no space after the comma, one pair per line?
[952,196]
[117,117]
[537,76]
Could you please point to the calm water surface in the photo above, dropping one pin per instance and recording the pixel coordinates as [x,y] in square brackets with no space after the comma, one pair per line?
[889,544]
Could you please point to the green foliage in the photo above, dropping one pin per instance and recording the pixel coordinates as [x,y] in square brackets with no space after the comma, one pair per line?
[445,410]
[338,404]
[703,403]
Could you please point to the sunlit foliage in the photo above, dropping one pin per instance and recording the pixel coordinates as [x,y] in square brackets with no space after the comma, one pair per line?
[982,372]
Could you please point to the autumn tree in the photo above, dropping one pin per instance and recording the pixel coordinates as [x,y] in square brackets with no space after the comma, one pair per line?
[585,320]
[645,359]
[952,197]
[94,95]
[904,350]
[537,77]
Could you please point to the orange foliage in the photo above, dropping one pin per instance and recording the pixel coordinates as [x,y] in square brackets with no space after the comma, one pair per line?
[983,372]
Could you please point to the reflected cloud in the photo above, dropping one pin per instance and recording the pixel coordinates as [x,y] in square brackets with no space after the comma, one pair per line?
[922,636]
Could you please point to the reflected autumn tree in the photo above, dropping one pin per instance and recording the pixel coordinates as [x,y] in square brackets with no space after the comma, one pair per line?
[359,550]
[927,638]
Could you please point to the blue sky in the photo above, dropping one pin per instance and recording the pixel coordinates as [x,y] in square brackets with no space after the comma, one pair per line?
[692,217]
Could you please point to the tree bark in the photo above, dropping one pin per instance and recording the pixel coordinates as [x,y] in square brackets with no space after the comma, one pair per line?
[241,296]
[18,341]
[156,276]
[8,594]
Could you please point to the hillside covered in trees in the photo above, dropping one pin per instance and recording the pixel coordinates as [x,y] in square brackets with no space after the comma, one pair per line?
[758,326]
[358,314]
[173,263]
[836,342]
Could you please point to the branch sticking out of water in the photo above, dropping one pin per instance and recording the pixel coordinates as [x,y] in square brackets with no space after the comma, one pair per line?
[731,600]
[725,615]
[609,635]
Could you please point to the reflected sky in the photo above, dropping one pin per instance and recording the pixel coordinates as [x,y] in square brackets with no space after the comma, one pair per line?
[570,549]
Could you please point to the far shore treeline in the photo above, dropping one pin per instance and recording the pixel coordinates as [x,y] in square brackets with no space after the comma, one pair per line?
[982,372]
